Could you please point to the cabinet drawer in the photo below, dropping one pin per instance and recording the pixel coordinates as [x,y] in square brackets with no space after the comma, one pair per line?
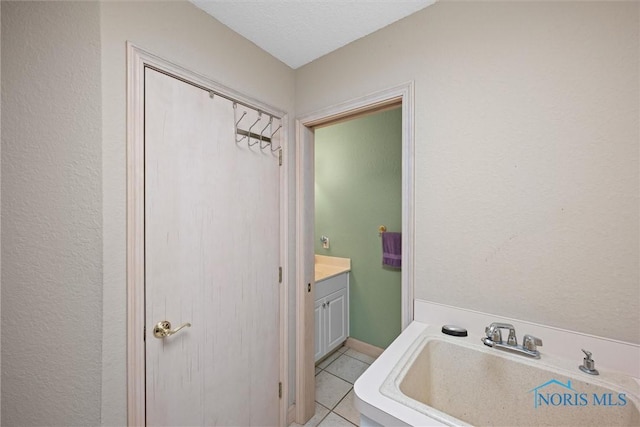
[330,285]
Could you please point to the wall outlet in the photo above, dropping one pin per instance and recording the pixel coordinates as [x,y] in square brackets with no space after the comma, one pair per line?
[325,242]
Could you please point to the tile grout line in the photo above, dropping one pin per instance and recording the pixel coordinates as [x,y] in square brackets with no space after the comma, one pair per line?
[344,379]
[325,369]
[338,404]
[321,420]
[345,354]
[340,378]
[343,418]
[343,397]
[350,388]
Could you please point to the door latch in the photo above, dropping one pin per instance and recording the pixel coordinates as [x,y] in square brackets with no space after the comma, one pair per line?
[163,329]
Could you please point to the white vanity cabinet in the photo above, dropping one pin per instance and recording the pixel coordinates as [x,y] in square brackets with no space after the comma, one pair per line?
[331,311]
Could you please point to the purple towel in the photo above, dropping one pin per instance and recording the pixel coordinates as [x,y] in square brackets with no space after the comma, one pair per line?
[392,249]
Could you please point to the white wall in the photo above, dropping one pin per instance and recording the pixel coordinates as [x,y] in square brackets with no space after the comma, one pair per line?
[527,148]
[0,226]
[527,170]
[51,214]
[183,34]
[64,193]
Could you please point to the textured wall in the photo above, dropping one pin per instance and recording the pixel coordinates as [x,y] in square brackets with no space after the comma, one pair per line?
[358,187]
[526,169]
[179,32]
[526,192]
[51,214]
[0,224]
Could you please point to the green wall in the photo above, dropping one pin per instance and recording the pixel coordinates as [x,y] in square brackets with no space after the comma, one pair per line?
[358,187]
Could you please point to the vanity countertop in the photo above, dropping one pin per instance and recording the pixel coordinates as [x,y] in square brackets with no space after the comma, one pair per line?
[329,266]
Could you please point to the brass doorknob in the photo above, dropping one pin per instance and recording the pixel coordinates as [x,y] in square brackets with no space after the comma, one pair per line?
[163,329]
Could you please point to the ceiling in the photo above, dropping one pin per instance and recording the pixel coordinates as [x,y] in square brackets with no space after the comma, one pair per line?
[300,31]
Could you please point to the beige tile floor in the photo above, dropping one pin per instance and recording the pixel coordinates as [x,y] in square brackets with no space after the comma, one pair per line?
[334,389]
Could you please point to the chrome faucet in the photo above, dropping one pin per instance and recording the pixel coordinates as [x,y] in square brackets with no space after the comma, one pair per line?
[528,348]
[493,332]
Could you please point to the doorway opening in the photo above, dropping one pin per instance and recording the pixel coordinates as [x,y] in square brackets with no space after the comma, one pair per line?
[358,190]
[402,97]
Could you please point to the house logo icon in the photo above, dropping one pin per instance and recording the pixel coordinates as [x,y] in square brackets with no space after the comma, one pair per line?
[555,393]
[541,398]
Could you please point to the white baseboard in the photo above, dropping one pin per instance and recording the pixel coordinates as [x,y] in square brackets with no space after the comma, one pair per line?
[363,347]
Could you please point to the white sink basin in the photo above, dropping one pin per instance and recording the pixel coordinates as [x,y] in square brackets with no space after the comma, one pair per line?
[460,384]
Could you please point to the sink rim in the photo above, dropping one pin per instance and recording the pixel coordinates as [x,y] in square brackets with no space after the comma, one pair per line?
[390,387]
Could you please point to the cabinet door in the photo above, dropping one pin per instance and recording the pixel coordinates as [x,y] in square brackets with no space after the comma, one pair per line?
[318,312]
[336,318]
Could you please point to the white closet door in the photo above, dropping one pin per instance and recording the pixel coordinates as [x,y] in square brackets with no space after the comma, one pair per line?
[212,256]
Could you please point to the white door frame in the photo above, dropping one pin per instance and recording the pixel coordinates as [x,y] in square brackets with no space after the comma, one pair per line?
[137,60]
[305,206]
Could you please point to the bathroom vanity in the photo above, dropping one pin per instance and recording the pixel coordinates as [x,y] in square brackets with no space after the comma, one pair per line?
[331,308]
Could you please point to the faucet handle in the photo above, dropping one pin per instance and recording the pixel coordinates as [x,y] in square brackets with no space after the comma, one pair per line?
[588,364]
[531,343]
[493,333]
